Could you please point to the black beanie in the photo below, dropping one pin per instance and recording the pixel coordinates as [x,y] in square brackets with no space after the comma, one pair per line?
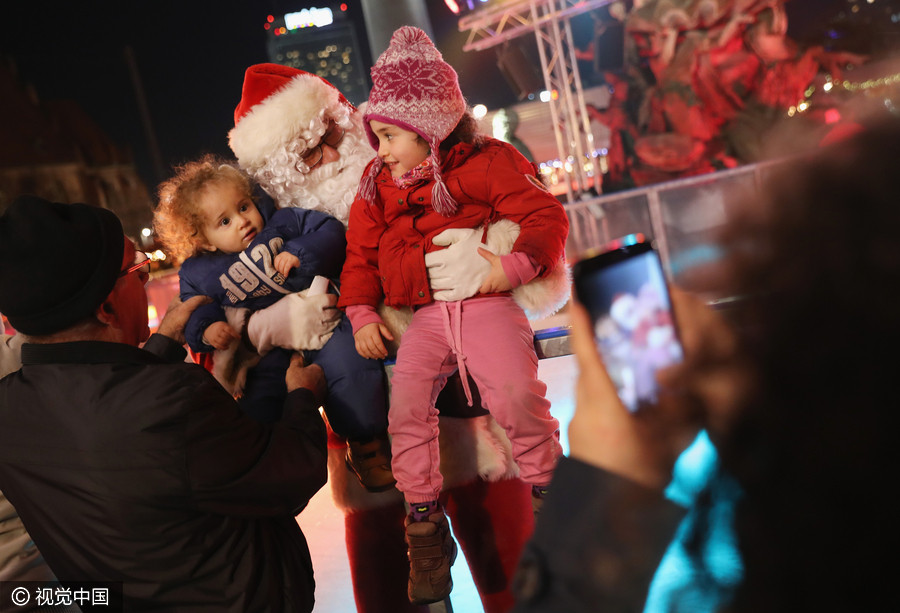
[58,262]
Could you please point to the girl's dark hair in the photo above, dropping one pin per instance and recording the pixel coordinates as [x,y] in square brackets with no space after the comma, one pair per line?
[466,131]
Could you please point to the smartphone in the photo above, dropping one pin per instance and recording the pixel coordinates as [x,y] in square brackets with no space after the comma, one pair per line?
[624,290]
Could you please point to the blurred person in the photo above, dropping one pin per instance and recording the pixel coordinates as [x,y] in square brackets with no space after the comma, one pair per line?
[128,465]
[504,125]
[794,389]
[433,172]
[249,256]
[281,117]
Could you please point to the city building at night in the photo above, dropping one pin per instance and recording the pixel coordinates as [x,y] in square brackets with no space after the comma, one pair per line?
[323,41]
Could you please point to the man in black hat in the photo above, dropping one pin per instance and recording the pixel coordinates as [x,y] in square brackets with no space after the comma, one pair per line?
[129,465]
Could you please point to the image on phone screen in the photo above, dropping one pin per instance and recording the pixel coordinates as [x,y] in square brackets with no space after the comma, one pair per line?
[626,294]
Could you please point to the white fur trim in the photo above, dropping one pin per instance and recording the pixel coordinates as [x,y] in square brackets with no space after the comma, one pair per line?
[230,365]
[284,116]
[471,448]
[397,321]
[545,296]
[539,297]
[492,459]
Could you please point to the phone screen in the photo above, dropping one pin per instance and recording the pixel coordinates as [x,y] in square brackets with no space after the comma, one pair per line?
[625,292]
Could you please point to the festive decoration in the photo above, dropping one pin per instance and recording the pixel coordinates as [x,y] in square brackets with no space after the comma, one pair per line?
[705,81]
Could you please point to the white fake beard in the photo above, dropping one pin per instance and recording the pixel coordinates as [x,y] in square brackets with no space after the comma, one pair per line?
[330,188]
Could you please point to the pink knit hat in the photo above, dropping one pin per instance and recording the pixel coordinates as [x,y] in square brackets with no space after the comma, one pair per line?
[414,89]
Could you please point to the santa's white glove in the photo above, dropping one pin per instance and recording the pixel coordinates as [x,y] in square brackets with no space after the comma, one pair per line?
[458,271]
[297,322]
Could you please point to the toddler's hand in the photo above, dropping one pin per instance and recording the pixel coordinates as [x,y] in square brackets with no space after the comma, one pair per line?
[285,261]
[369,343]
[496,280]
[220,335]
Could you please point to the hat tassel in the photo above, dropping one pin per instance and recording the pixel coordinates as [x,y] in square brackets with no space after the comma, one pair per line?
[367,184]
[441,200]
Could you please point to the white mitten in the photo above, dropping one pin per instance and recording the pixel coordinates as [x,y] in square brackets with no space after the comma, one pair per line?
[458,271]
[297,321]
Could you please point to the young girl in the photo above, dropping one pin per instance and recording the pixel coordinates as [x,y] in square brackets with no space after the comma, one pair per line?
[433,173]
[244,256]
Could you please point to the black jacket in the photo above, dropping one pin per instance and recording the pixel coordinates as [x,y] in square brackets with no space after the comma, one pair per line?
[134,468]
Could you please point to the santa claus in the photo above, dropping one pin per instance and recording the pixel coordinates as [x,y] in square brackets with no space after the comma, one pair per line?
[300,139]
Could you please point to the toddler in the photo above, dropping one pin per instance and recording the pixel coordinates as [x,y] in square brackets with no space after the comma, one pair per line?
[246,256]
[434,172]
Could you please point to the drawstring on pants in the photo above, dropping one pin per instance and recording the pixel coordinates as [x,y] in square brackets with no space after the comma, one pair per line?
[454,339]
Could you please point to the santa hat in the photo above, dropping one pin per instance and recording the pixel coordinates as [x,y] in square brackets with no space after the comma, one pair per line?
[414,89]
[280,104]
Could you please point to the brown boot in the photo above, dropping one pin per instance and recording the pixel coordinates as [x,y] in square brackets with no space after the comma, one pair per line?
[432,552]
[371,462]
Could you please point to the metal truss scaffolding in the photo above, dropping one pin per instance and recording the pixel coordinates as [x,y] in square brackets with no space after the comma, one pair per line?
[549,21]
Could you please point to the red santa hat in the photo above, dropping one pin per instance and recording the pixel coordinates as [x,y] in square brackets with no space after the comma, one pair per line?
[280,104]
[414,89]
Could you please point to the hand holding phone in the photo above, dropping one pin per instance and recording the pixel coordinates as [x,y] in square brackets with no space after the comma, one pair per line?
[625,292]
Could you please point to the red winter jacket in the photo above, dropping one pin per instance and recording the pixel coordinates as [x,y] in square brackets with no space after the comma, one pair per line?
[387,241]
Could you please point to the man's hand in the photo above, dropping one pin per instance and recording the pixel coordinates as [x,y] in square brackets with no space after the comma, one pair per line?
[297,322]
[177,314]
[458,271]
[369,343]
[308,377]
[496,280]
[220,335]
[285,261]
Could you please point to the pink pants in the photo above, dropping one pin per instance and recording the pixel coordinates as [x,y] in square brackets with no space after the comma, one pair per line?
[491,339]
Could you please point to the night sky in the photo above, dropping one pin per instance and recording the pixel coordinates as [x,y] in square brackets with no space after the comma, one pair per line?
[190,57]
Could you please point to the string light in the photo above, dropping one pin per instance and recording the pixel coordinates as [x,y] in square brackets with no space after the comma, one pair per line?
[831,86]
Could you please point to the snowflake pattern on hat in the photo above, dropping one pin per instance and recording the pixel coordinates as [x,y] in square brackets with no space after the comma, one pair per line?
[413,85]
[415,89]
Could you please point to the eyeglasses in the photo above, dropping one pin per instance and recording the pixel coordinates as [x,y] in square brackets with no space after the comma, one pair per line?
[141,263]
[313,157]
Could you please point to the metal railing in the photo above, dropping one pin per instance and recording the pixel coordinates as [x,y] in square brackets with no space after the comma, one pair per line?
[682,217]
[548,20]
